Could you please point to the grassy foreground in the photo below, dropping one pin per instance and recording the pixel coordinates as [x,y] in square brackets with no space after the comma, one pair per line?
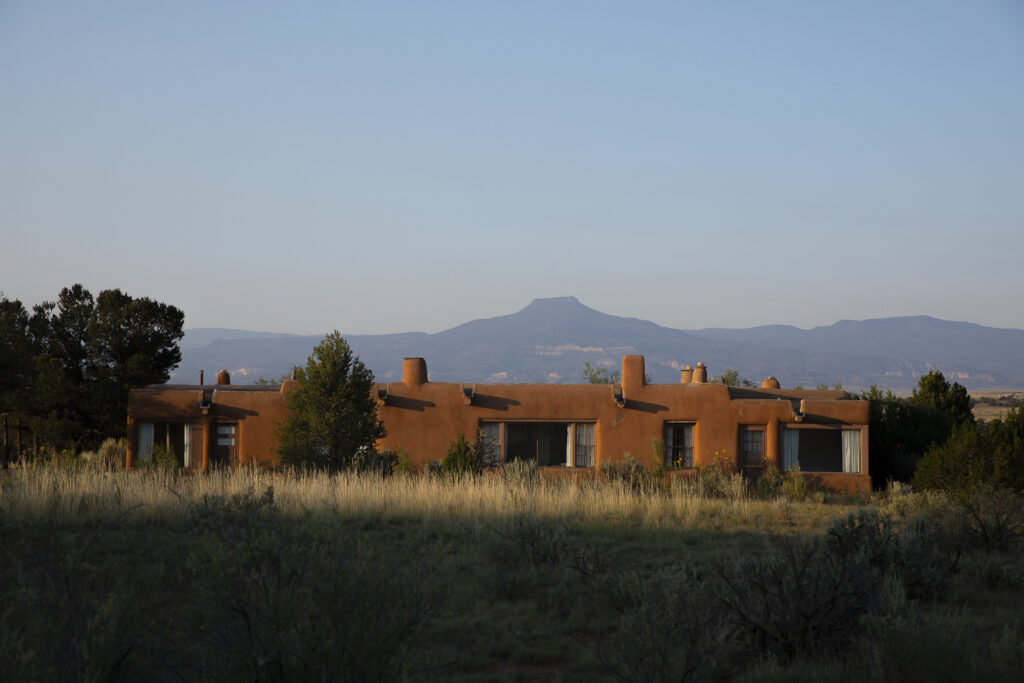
[259,575]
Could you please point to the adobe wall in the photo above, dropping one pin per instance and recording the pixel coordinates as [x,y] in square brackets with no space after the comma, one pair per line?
[256,413]
[424,417]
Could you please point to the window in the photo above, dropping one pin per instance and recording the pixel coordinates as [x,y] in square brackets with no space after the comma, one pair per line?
[584,444]
[752,445]
[549,444]
[851,450]
[172,438]
[679,444]
[490,443]
[821,450]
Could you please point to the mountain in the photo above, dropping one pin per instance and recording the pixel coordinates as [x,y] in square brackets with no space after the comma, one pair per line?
[551,339]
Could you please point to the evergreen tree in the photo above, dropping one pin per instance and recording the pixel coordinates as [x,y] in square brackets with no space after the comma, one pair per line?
[332,413]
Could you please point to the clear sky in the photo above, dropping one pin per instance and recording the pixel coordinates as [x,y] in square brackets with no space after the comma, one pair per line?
[395,166]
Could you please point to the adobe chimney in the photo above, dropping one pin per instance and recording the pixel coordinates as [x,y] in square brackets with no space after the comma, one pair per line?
[700,374]
[414,372]
[632,373]
[686,374]
[770,383]
[223,377]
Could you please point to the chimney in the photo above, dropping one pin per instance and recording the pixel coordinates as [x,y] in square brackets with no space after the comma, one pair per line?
[200,378]
[686,374]
[414,372]
[632,373]
[700,374]
[770,383]
[223,377]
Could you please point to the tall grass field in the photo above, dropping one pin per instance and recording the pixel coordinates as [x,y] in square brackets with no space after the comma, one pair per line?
[264,575]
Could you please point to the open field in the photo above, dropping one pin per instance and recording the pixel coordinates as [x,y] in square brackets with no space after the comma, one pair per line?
[272,576]
[990,405]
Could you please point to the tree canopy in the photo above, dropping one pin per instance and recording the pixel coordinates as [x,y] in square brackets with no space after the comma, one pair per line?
[68,367]
[598,375]
[903,429]
[332,413]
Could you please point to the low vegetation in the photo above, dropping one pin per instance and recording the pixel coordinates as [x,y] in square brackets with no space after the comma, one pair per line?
[504,575]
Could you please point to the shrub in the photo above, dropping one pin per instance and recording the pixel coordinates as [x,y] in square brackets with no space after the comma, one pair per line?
[996,516]
[770,483]
[801,600]
[372,461]
[914,553]
[521,553]
[665,627]
[521,472]
[713,481]
[630,473]
[795,486]
[111,454]
[404,464]
[165,457]
[462,457]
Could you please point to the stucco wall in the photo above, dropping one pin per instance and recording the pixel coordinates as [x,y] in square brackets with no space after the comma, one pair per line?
[423,417]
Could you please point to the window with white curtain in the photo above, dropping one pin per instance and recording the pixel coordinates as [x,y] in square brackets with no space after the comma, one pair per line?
[170,437]
[851,450]
[145,432]
[584,444]
[790,450]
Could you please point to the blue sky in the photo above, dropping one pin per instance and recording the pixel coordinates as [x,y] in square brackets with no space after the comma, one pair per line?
[396,166]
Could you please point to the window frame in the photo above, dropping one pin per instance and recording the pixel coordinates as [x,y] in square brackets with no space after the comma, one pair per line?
[669,432]
[746,456]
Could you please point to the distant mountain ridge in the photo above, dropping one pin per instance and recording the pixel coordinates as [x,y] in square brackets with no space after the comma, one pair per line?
[550,340]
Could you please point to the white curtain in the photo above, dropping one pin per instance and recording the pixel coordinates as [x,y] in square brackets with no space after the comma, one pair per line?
[570,442]
[145,440]
[790,449]
[851,450]
[188,444]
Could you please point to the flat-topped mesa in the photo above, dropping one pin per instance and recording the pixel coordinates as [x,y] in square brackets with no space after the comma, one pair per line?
[414,372]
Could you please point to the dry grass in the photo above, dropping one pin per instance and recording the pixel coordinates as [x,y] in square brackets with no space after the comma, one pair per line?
[61,496]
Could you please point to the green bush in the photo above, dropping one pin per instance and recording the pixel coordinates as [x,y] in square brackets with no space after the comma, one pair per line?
[369,460]
[165,457]
[795,486]
[976,454]
[770,483]
[462,457]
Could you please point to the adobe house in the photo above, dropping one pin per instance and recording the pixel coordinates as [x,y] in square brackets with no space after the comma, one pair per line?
[694,423]
[206,425]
